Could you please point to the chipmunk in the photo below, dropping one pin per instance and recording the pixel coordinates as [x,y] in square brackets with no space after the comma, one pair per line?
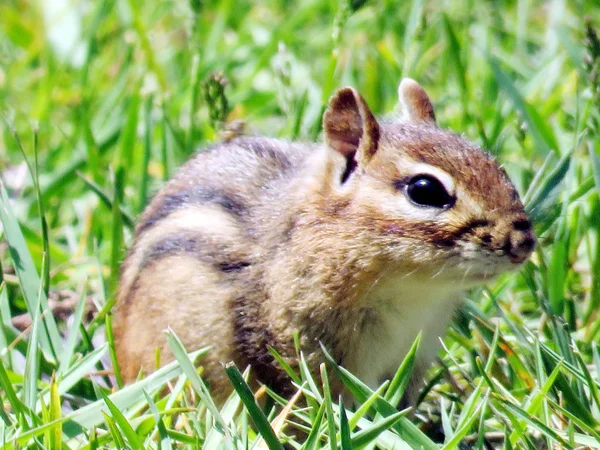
[357,244]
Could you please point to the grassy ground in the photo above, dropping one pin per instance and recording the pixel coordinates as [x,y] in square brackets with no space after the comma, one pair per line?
[102,123]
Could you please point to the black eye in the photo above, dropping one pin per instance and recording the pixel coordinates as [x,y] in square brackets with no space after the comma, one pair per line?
[425,190]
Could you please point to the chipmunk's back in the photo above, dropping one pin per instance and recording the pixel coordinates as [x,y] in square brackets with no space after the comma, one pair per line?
[195,246]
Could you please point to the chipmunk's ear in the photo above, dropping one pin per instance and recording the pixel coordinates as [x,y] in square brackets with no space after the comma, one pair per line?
[416,105]
[351,129]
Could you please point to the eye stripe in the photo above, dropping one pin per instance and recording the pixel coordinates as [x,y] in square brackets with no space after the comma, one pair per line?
[472,225]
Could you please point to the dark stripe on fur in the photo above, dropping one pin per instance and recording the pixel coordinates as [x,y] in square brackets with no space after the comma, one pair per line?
[196,195]
[470,227]
[229,267]
[194,246]
[432,232]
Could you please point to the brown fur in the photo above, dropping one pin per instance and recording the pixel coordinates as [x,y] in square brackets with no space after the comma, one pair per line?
[256,239]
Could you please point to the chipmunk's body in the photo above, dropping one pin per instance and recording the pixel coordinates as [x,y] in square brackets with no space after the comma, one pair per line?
[358,244]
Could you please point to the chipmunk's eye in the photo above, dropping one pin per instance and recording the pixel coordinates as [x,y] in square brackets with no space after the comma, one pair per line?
[426,190]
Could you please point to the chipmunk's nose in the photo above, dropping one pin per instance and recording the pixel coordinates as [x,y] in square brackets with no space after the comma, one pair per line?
[521,240]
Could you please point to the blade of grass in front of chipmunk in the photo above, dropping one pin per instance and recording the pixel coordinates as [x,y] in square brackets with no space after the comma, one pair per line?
[313,437]
[110,338]
[453,442]
[405,429]
[116,434]
[345,440]
[133,439]
[532,421]
[285,366]
[260,420]
[188,368]
[308,379]
[89,415]
[214,437]
[570,397]
[468,411]
[367,435]
[165,440]
[575,419]
[398,385]
[328,407]
[366,406]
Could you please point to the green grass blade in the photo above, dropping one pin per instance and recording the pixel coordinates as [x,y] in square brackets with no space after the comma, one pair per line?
[114,431]
[345,439]
[32,362]
[89,416]
[313,437]
[401,378]
[165,440]
[260,420]
[187,366]
[69,348]
[132,437]
[541,133]
[128,219]
[328,408]
[368,435]
[29,280]
[407,431]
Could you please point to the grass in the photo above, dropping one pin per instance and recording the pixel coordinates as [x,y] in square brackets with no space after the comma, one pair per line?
[88,131]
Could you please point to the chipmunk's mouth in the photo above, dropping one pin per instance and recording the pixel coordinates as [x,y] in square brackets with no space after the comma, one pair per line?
[484,270]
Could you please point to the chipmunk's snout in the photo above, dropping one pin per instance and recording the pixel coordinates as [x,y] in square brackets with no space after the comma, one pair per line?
[520,240]
[511,238]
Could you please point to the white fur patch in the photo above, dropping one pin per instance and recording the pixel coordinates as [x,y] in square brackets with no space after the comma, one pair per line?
[404,309]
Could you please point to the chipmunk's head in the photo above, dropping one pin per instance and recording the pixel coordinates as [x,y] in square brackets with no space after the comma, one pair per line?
[428,199]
